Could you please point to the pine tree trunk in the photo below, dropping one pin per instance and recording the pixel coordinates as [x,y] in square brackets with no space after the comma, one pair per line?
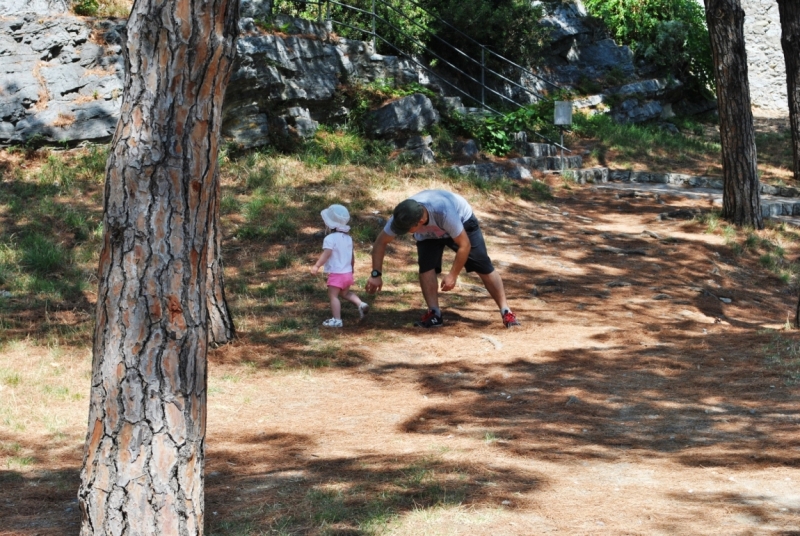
[790,42]
[143,460]
[741,201]
[220,322]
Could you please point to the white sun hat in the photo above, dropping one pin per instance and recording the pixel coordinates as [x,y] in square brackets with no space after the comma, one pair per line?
[336,217]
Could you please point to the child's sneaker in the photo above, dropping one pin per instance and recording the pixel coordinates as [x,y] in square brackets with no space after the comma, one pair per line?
[429,320]
[510,320]
[363,309]
[332,323]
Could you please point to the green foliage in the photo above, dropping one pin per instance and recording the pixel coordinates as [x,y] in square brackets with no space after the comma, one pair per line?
[670,33]
[509,28]
[399,22]
[343,147]
[496,132]
[639,140]
[87,8]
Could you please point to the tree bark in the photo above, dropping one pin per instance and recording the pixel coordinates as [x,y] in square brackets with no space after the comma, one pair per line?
[143,459]
[790,42]
[220,321]
[741,200]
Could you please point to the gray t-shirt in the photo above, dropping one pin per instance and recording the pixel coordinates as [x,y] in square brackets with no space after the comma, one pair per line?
[447,213]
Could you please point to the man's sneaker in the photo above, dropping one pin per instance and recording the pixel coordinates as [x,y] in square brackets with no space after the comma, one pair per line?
[510,320]
[332,323]
[363,309]
[429,320]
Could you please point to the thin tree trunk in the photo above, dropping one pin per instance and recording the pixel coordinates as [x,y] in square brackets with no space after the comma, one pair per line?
[741,201]
[790,42]
[220,322]
[143,460]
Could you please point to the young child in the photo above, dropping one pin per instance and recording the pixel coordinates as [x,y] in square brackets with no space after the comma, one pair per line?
[339,260]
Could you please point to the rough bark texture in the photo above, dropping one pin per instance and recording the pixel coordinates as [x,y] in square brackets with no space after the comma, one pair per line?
[220,322]
[143,461]
[790,42]
[741,203]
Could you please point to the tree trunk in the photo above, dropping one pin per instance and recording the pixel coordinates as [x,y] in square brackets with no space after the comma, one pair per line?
[143,460]
[790,42]
[741,201]
[220,322]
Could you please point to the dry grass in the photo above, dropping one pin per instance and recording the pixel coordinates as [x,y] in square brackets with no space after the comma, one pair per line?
[115,8]
[64,120]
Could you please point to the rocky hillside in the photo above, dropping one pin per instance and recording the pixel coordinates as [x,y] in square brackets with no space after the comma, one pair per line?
[62,75]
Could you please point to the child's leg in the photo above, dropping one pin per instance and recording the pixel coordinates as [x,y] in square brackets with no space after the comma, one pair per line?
[352,297]
[336,305]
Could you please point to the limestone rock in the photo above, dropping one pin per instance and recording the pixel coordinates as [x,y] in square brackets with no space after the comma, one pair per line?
[411,114]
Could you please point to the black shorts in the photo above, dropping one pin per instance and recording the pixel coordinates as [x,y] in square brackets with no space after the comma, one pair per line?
[430,251]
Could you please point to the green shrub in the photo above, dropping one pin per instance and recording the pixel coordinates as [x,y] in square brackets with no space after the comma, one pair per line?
[670,33]
[400,22]
[496,133]
[509,28]
[87,8]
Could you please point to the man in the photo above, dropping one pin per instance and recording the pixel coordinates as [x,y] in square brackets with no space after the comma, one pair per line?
[439,218]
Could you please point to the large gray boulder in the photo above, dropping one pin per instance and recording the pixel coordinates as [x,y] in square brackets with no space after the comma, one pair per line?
[61,77]
[577,52]
[276,75]
[255,9]
[10,8]
[57,84]
[412,114]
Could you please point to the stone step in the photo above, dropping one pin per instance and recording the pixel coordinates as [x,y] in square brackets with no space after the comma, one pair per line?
[772,207]
[779,203]
[537,150]
[593,175]
[545,163]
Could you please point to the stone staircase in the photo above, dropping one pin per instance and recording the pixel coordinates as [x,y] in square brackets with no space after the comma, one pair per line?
[535,157]
[777,202]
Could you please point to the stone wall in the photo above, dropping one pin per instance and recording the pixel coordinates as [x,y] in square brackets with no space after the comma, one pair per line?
[765,63]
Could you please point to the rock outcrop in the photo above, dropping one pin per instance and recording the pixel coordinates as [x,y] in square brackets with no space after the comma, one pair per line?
[61,77]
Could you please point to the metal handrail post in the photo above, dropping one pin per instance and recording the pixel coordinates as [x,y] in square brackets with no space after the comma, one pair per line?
[374,33]
[328,4]
[483,76]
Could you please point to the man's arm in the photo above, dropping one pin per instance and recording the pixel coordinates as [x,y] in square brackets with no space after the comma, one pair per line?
[374,284]
[462,241]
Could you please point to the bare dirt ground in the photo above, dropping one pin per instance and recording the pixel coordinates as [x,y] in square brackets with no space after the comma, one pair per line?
[652,389]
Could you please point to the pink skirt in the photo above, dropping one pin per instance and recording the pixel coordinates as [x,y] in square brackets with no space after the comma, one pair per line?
[342,281]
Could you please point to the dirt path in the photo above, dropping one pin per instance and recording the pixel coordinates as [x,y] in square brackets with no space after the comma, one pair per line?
[634,400]
[651,390]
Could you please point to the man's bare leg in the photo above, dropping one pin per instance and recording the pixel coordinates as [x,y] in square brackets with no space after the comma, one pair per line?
[494,284]
[430,288]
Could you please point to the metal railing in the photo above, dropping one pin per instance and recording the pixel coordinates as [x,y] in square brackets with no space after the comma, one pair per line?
[482,64]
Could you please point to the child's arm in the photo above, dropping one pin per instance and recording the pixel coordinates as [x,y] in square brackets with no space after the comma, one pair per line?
[326,254]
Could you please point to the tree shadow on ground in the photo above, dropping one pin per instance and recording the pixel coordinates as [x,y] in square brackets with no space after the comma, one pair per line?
[278,482]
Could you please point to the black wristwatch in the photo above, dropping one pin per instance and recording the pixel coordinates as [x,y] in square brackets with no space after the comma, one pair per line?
[375,273]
